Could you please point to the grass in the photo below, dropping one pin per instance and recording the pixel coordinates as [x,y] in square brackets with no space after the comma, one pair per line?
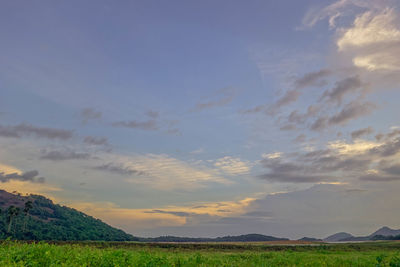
[145,254]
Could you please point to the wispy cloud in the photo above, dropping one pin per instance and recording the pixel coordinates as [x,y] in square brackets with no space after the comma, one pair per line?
[89,114]
[40,132]
[225,97]
[60,155]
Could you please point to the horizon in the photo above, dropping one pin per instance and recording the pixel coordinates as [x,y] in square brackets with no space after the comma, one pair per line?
[206,119]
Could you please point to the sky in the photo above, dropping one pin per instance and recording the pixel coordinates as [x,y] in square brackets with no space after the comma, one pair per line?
[205,118]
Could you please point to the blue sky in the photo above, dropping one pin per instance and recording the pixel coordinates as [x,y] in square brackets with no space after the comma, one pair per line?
[190,117]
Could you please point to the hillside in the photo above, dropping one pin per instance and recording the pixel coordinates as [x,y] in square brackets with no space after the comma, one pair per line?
[48,221]
[385,231]
[337,237]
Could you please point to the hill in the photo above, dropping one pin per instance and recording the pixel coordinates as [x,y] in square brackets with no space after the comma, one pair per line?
[385,231]
[48,221]
[337,237]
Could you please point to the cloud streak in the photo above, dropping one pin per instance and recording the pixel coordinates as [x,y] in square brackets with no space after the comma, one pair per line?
[30,176]
[30,130]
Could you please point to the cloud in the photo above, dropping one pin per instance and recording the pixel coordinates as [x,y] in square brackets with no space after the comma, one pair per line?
[290,96]
[97,141]
[312,79]
[88,114]
[343,87]
[299,118]
[227,95]
[338,9]
[232,166]
[149,125]
[56,155]
[339,161]
[350,111]
[362,132]
[166,173]
[30,176]
[175,213]
[40,132]
[118,169]
[289,172]
[373,41]
[139,220]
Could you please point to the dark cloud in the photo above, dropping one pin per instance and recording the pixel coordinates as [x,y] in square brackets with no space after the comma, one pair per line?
[343,87]
[362,132]
[392,170]
[351,111]
[389,148]
[88,114]
[320,124]
[98,141]
[288,172]
[30,176]
[40,132]
[299,118]
[56,155]
[313,79]
[117,169]
[289,97]
[150,125]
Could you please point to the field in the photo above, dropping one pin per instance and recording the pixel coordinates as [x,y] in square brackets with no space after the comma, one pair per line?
[198,254]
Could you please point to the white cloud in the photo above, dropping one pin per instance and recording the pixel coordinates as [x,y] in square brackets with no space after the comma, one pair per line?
[373,41]
[232,166]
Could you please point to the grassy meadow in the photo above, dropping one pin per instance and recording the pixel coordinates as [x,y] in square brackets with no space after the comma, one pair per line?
[198,254]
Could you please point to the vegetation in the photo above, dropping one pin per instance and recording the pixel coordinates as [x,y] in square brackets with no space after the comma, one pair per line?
[35,217]
[142,254]
[239,238]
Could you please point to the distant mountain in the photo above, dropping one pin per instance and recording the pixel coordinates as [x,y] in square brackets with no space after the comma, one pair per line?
[385,231]
[45,220]
[338,237]
[239,238]
[309,239]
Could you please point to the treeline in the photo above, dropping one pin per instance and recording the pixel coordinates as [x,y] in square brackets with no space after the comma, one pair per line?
[40,219]
[382,237]
[239,238]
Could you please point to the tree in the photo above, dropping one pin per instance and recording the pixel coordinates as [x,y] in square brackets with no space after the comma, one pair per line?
[27,208]
[11,212]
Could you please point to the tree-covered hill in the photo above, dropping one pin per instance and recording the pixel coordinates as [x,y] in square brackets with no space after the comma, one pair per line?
[35,217]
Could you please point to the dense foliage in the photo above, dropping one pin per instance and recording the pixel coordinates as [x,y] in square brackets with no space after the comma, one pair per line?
[44,220]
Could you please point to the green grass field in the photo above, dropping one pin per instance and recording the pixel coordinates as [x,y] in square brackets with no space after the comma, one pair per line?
[238,254]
